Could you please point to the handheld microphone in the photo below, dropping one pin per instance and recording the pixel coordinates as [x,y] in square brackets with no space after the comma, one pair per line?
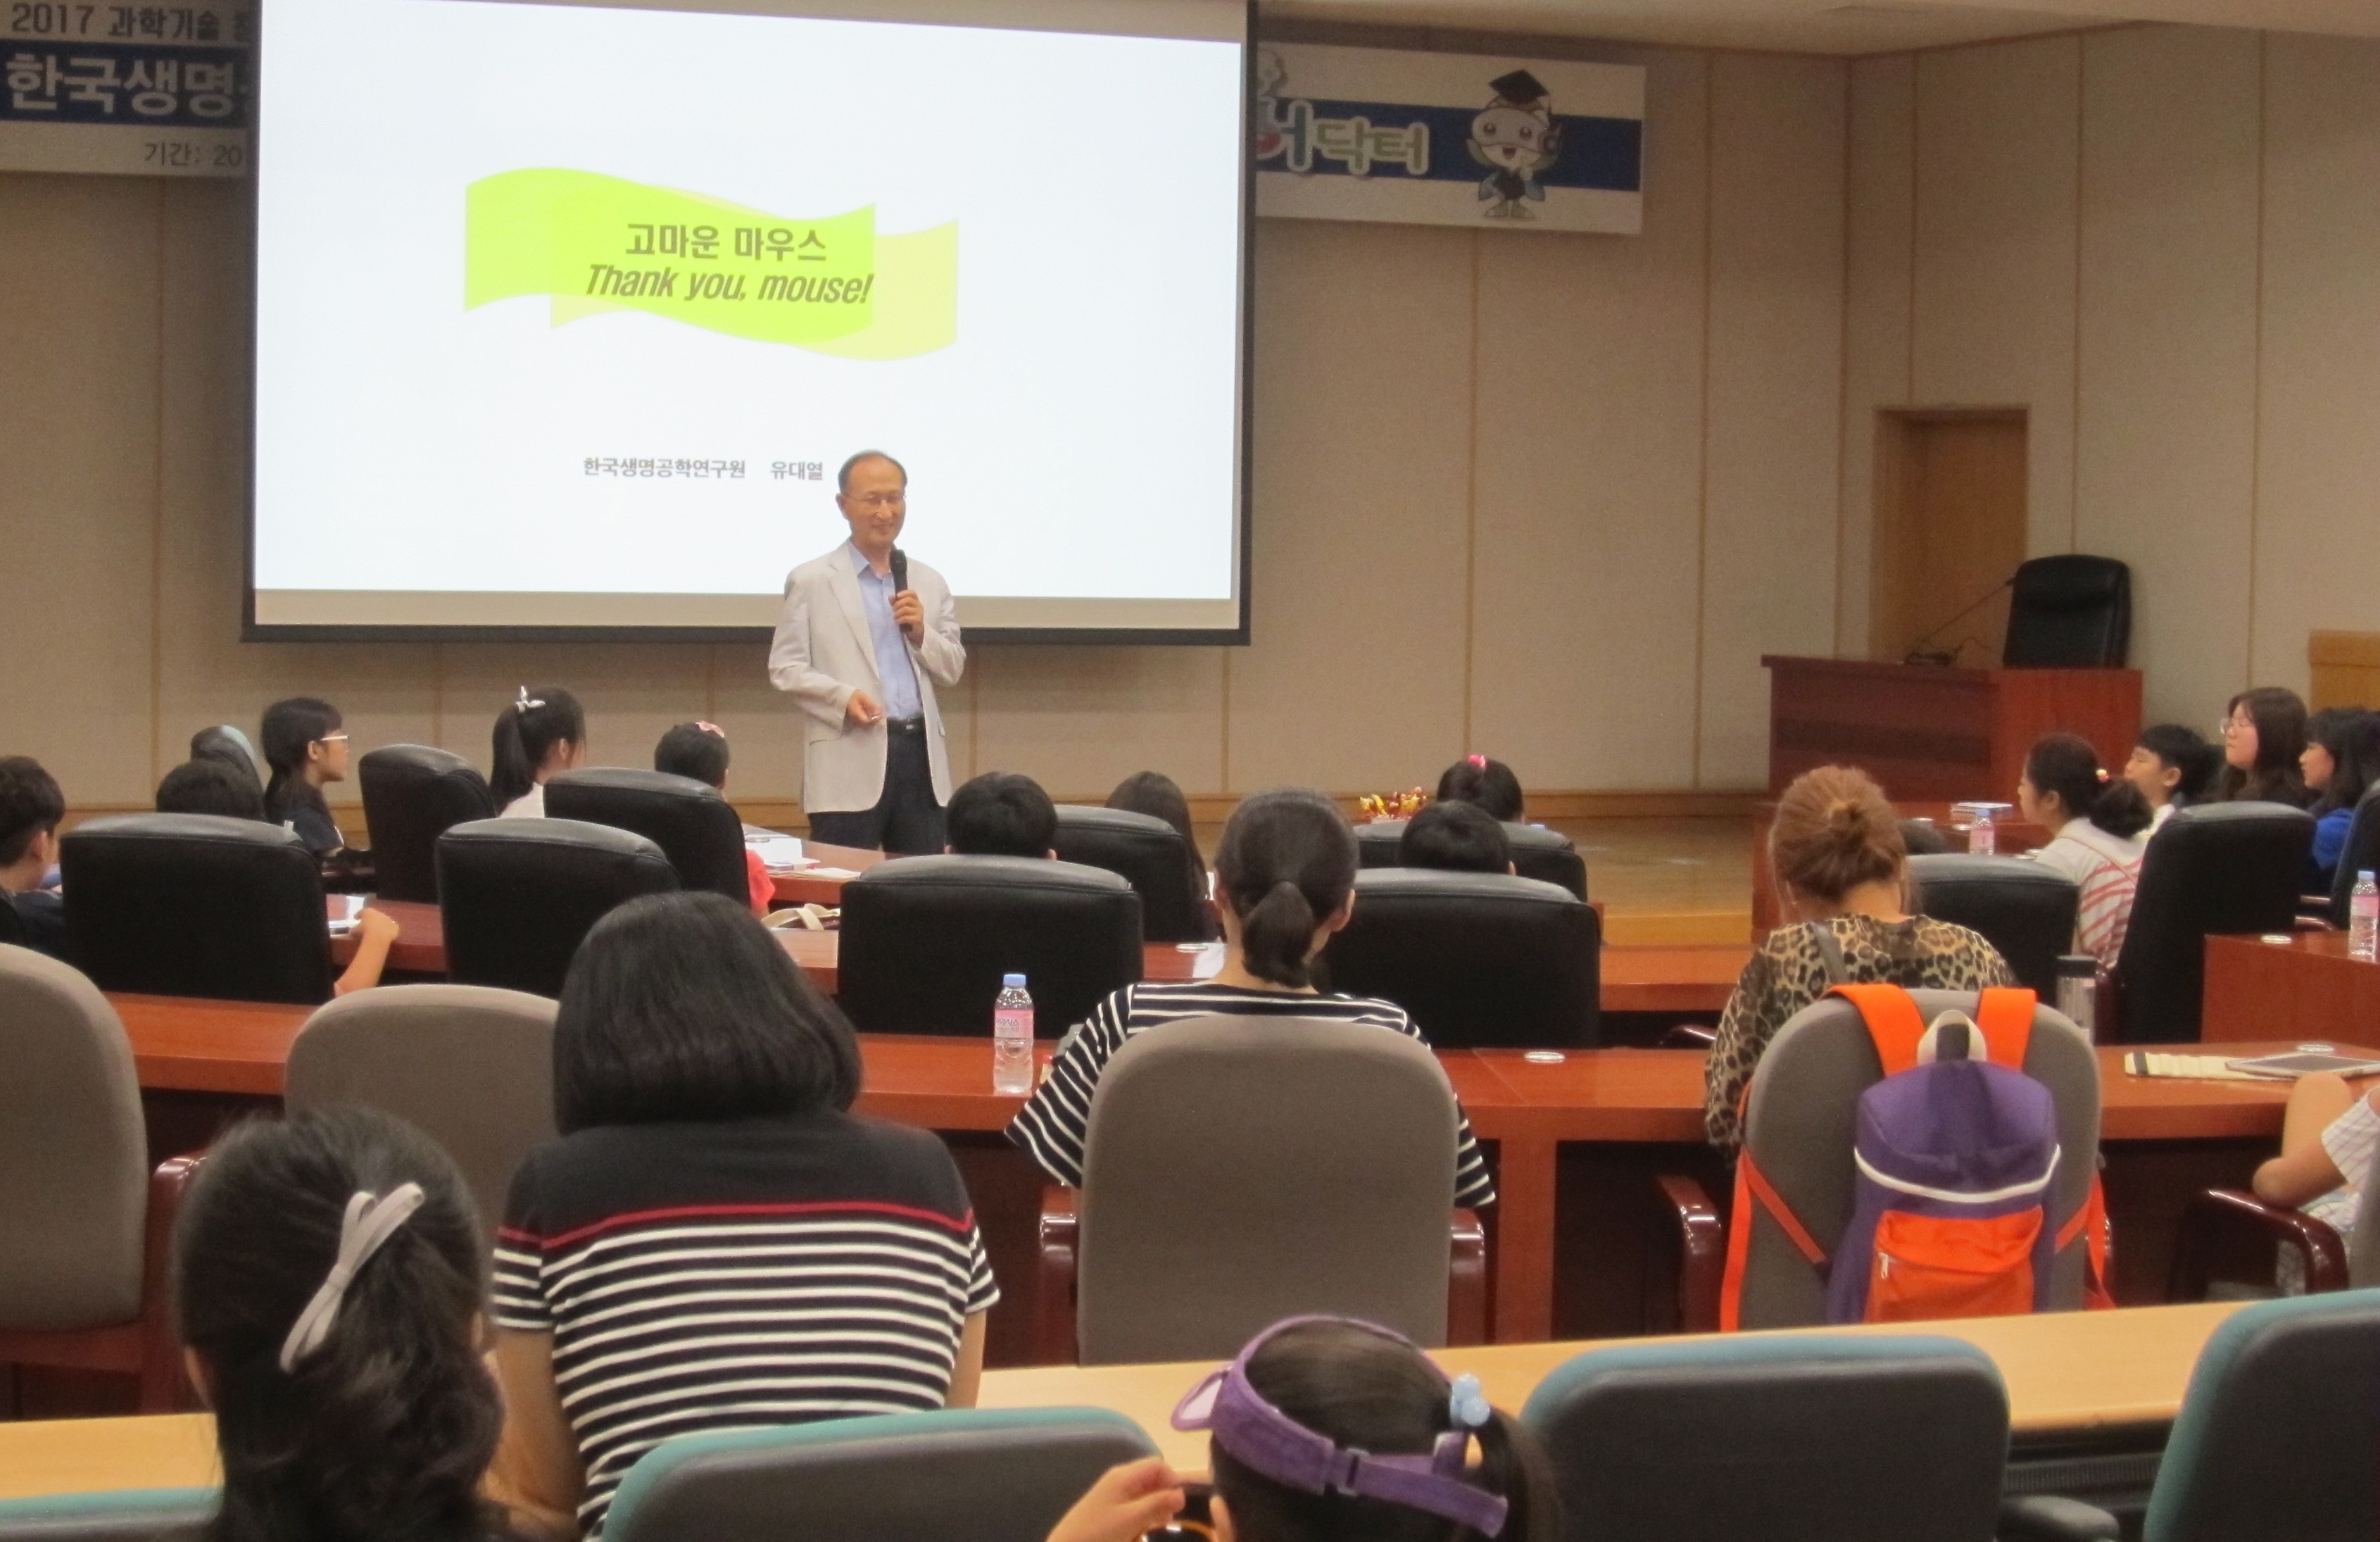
[900,570]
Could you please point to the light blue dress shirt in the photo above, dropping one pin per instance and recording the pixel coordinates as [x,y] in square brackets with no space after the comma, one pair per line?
[892,667]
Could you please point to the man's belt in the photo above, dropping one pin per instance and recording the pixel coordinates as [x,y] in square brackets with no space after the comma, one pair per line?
[905,725]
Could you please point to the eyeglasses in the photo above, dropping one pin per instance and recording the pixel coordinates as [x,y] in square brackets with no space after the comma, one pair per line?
[2229,726]
[878,500]
[332,739]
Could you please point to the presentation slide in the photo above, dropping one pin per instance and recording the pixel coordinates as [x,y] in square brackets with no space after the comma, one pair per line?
[567,314]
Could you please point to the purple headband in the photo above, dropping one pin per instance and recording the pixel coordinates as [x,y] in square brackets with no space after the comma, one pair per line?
[1272,1443]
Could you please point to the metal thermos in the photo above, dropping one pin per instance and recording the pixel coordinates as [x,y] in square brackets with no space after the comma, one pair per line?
[2077,992]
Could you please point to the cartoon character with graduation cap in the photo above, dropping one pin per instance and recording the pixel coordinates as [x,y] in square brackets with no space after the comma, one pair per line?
[1516,139]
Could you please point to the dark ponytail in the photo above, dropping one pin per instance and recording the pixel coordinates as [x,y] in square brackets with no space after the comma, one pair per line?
[290,730]
[539,718]
[384,1432]
[2068,765]
[1286,864]
[1376,1394]
[1489,784]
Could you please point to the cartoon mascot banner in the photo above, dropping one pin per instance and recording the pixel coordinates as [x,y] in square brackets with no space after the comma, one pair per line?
[1449,139]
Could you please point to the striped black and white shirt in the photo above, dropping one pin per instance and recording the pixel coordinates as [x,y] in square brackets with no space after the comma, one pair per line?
[737,1275]
[1054,1120]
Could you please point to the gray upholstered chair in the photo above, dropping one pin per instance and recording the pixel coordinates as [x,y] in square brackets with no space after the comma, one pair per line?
[1242,1170]
[116,1515]
[956,1476]
[84,1225]
[470,1065]
[1848,1438]
[1798,1122]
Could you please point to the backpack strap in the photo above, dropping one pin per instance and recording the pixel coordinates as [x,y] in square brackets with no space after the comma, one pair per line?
[2006,1018]
[2090,1223]
[1753,1189]
[1892,1022]
[1830,953]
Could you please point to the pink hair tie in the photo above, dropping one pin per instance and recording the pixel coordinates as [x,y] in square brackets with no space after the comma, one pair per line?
[1479,760]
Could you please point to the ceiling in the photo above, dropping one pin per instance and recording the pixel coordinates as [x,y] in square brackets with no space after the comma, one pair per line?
[1828,26]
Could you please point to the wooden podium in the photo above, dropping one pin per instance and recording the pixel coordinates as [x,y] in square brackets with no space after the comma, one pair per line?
[1927,734]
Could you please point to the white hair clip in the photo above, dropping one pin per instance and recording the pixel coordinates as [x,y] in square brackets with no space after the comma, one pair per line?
[370,1221]
[1465,1404]
[526,701]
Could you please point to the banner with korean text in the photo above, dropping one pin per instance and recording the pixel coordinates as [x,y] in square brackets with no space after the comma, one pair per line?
[140,91]
[1449,139]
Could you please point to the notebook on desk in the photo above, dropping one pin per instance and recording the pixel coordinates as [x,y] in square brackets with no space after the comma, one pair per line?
[2262,1068]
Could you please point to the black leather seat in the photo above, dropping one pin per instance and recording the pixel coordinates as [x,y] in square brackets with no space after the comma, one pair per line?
[697,829]
[1544,855]
[2070,612]
[2214,869]
[926,940]
[413,793]
[2023,909]
[2360,855]
[196,904]
[517,897]
[1150,854]
[1476,959]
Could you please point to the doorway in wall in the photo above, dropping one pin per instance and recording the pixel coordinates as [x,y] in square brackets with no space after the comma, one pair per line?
[1949,524]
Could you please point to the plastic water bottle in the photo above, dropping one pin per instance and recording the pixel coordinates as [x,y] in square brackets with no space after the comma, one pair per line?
[1012,1037]
[2363,919]
[1983,836]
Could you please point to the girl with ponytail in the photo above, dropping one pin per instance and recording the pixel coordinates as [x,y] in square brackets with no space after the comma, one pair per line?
[1286,1415]
[542,733]
[2100,826]
[1284,883]
[351,1403]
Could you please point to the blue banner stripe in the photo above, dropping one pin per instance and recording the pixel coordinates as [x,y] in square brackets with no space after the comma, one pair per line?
[1606,153]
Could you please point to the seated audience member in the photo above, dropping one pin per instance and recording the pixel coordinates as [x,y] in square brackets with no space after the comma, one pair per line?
[2327,1137]
[306,749]
[229,745]
[2173,768]
[2098,827]
[541,735]
[1457,837]
[2264,734]
[2341,759]
[1159,797]
[31,808]
[1363,1389]
[327,1281]
[1002,814]
[1488,783]
[1286,881]
[212,787]
[700,750]
[1834,847]
[708,1163]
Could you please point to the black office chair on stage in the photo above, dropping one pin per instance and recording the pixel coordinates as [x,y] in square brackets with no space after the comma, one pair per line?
[2023,909]
[413,793]
[1150,854]
[196,904]
[696,827]
[517,897]
[1477,960]
[2070,612]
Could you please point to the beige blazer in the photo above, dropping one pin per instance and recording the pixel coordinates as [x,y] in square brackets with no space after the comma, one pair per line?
[822,653]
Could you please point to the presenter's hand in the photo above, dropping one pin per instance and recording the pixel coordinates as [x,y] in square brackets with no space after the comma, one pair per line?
[861,711]
[910,613]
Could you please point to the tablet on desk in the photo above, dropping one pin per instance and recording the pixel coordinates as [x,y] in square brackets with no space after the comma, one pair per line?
[2305,1063]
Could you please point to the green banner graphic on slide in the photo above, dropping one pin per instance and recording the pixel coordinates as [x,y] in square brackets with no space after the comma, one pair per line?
[598,244]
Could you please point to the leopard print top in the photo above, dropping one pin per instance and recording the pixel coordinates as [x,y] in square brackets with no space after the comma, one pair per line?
[1788,972]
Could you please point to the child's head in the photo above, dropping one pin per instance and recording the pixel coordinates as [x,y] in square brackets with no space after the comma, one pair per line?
[695,749]
[1285,873]
[1488,783]
[31,808]
[2063,781]
[1457,837]
[1002,814]
[210,787]
[2342,755]
[304,748]
[1309,1393]
[347,1414]
[1158,795]
[543,732]
[2172,763]
[2263,733]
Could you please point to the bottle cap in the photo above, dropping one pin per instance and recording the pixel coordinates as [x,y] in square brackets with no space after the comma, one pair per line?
[2364,875]
[1011,979]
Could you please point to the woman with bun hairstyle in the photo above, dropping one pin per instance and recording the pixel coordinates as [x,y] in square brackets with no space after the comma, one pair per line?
[541,735]
[350,1404]
[2100,824]
[1836,852]
[2264,734]
[1284,883]
[1326,1388]
[1489,784]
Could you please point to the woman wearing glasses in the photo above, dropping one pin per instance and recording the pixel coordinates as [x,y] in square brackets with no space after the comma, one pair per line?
[306,748]
[2264,734]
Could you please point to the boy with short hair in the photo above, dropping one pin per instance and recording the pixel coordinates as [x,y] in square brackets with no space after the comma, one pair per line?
[31,808]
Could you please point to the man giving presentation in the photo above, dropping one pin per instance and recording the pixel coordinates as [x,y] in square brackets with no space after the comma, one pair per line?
[864,637]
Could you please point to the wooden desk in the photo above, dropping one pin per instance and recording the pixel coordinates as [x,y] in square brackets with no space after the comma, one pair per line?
[2011,837]
[2068,1373]
[807,887]
[2305,990]
[1924,732]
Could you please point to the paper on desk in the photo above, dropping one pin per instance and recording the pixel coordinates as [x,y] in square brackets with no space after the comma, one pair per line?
[2207,1068]
[1209,964]
[780,854]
